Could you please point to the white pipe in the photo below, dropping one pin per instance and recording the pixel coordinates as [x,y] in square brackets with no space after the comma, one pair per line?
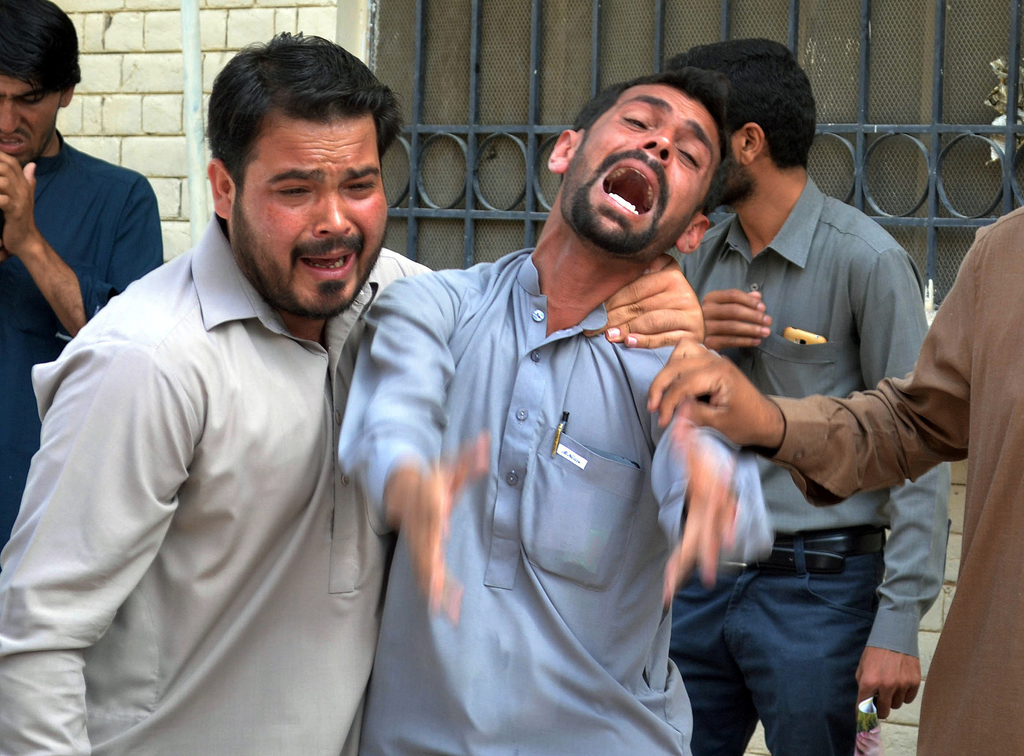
[191,50]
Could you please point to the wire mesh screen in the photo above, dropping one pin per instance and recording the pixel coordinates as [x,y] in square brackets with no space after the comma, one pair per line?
[904,130]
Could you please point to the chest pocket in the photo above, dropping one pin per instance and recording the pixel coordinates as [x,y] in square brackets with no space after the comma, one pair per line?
[579,525]
[786,369]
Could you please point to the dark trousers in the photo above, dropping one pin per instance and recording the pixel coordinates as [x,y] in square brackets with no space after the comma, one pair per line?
[782,647]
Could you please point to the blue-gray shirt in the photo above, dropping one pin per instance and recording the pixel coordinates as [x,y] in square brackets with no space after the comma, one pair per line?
[562,642]
[833,271]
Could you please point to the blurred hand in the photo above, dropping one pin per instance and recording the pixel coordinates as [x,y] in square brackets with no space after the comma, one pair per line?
[734,318]
[657,309]
[419,502]
[710,513]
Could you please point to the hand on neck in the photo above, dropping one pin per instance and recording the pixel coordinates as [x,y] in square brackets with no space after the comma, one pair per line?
[574,275]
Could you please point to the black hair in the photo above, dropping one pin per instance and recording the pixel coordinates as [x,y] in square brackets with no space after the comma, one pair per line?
[766,87]
[708,88]
[304,77]
[38,44]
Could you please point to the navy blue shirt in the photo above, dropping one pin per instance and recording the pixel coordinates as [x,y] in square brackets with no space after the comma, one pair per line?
[103,221]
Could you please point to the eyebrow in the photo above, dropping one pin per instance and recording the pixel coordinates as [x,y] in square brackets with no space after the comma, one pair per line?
[297,174]
[662,105]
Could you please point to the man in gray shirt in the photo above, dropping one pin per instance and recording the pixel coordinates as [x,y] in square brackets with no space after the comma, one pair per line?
[784,641]
[554,636]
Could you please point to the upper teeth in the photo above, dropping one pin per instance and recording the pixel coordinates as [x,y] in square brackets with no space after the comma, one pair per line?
[625,203]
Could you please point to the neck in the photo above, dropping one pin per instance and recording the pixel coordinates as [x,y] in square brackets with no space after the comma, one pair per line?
[764,212]
[305,328]
[574,275]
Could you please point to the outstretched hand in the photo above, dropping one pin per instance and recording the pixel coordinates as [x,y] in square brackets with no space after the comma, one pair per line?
[711,512]
[419,501]
[657,309]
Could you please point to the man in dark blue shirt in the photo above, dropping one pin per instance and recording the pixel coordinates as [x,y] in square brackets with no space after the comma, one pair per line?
[74,230]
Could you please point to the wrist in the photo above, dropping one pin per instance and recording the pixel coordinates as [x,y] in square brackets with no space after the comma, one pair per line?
[774,426]
[31,249]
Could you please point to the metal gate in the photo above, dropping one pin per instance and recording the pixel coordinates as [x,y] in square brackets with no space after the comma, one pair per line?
[904,131]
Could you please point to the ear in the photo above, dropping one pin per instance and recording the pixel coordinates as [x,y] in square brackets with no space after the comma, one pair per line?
[223,187]
[748,142]
[65,96]
[562,153]
[693,234]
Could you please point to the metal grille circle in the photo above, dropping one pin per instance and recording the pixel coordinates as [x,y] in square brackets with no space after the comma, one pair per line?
[904,133]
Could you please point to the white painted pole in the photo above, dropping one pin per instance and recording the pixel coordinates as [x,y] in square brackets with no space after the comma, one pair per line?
[194,133]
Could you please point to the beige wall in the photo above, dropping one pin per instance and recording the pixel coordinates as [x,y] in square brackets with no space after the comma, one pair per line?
[129,110]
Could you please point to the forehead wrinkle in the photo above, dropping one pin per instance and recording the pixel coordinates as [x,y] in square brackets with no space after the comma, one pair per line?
[654,102]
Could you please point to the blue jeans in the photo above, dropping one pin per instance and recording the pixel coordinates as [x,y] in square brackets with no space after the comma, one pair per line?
[782,647]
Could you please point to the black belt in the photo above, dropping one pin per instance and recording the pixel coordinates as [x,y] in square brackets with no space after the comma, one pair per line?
[825,551]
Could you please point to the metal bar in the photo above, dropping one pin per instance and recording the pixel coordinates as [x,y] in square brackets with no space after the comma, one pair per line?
[1012,85]
[725,23]
[534,116]
[794,26]
[538,215]
[194,134]
[659,34]
[862,103]
[472,158]
[834,128]
[595,48]
[412,230]
[938,63]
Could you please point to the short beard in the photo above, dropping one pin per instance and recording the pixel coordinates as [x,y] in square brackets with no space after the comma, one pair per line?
[274,290]
[739,186]
[581,217]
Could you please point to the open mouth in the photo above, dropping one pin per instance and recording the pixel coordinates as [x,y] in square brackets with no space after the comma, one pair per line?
[328,263]
[630,189]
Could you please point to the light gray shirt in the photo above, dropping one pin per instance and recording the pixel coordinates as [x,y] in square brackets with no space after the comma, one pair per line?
[561,646]
[190,573]
[833,271]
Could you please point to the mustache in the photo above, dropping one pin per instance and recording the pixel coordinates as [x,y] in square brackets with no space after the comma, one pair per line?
[321,247]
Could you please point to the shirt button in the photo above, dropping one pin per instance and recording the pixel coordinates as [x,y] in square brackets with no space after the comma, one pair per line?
[535,356]
[522,414]
[344,480]
[538,315]
[512,478]
[337,416]
[755,287]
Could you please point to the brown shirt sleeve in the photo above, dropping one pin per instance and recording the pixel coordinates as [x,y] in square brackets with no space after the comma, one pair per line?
[872,439]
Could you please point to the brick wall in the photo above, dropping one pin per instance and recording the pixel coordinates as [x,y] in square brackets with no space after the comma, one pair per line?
[129,107]
[899,732]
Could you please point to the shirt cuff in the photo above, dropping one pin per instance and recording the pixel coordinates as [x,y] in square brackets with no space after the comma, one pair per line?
[896,631]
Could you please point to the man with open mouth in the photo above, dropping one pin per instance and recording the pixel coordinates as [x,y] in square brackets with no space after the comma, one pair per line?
[525,610]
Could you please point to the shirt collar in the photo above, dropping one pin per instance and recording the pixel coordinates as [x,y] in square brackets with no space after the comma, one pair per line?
[225,294]
[793,242]
[529,279]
